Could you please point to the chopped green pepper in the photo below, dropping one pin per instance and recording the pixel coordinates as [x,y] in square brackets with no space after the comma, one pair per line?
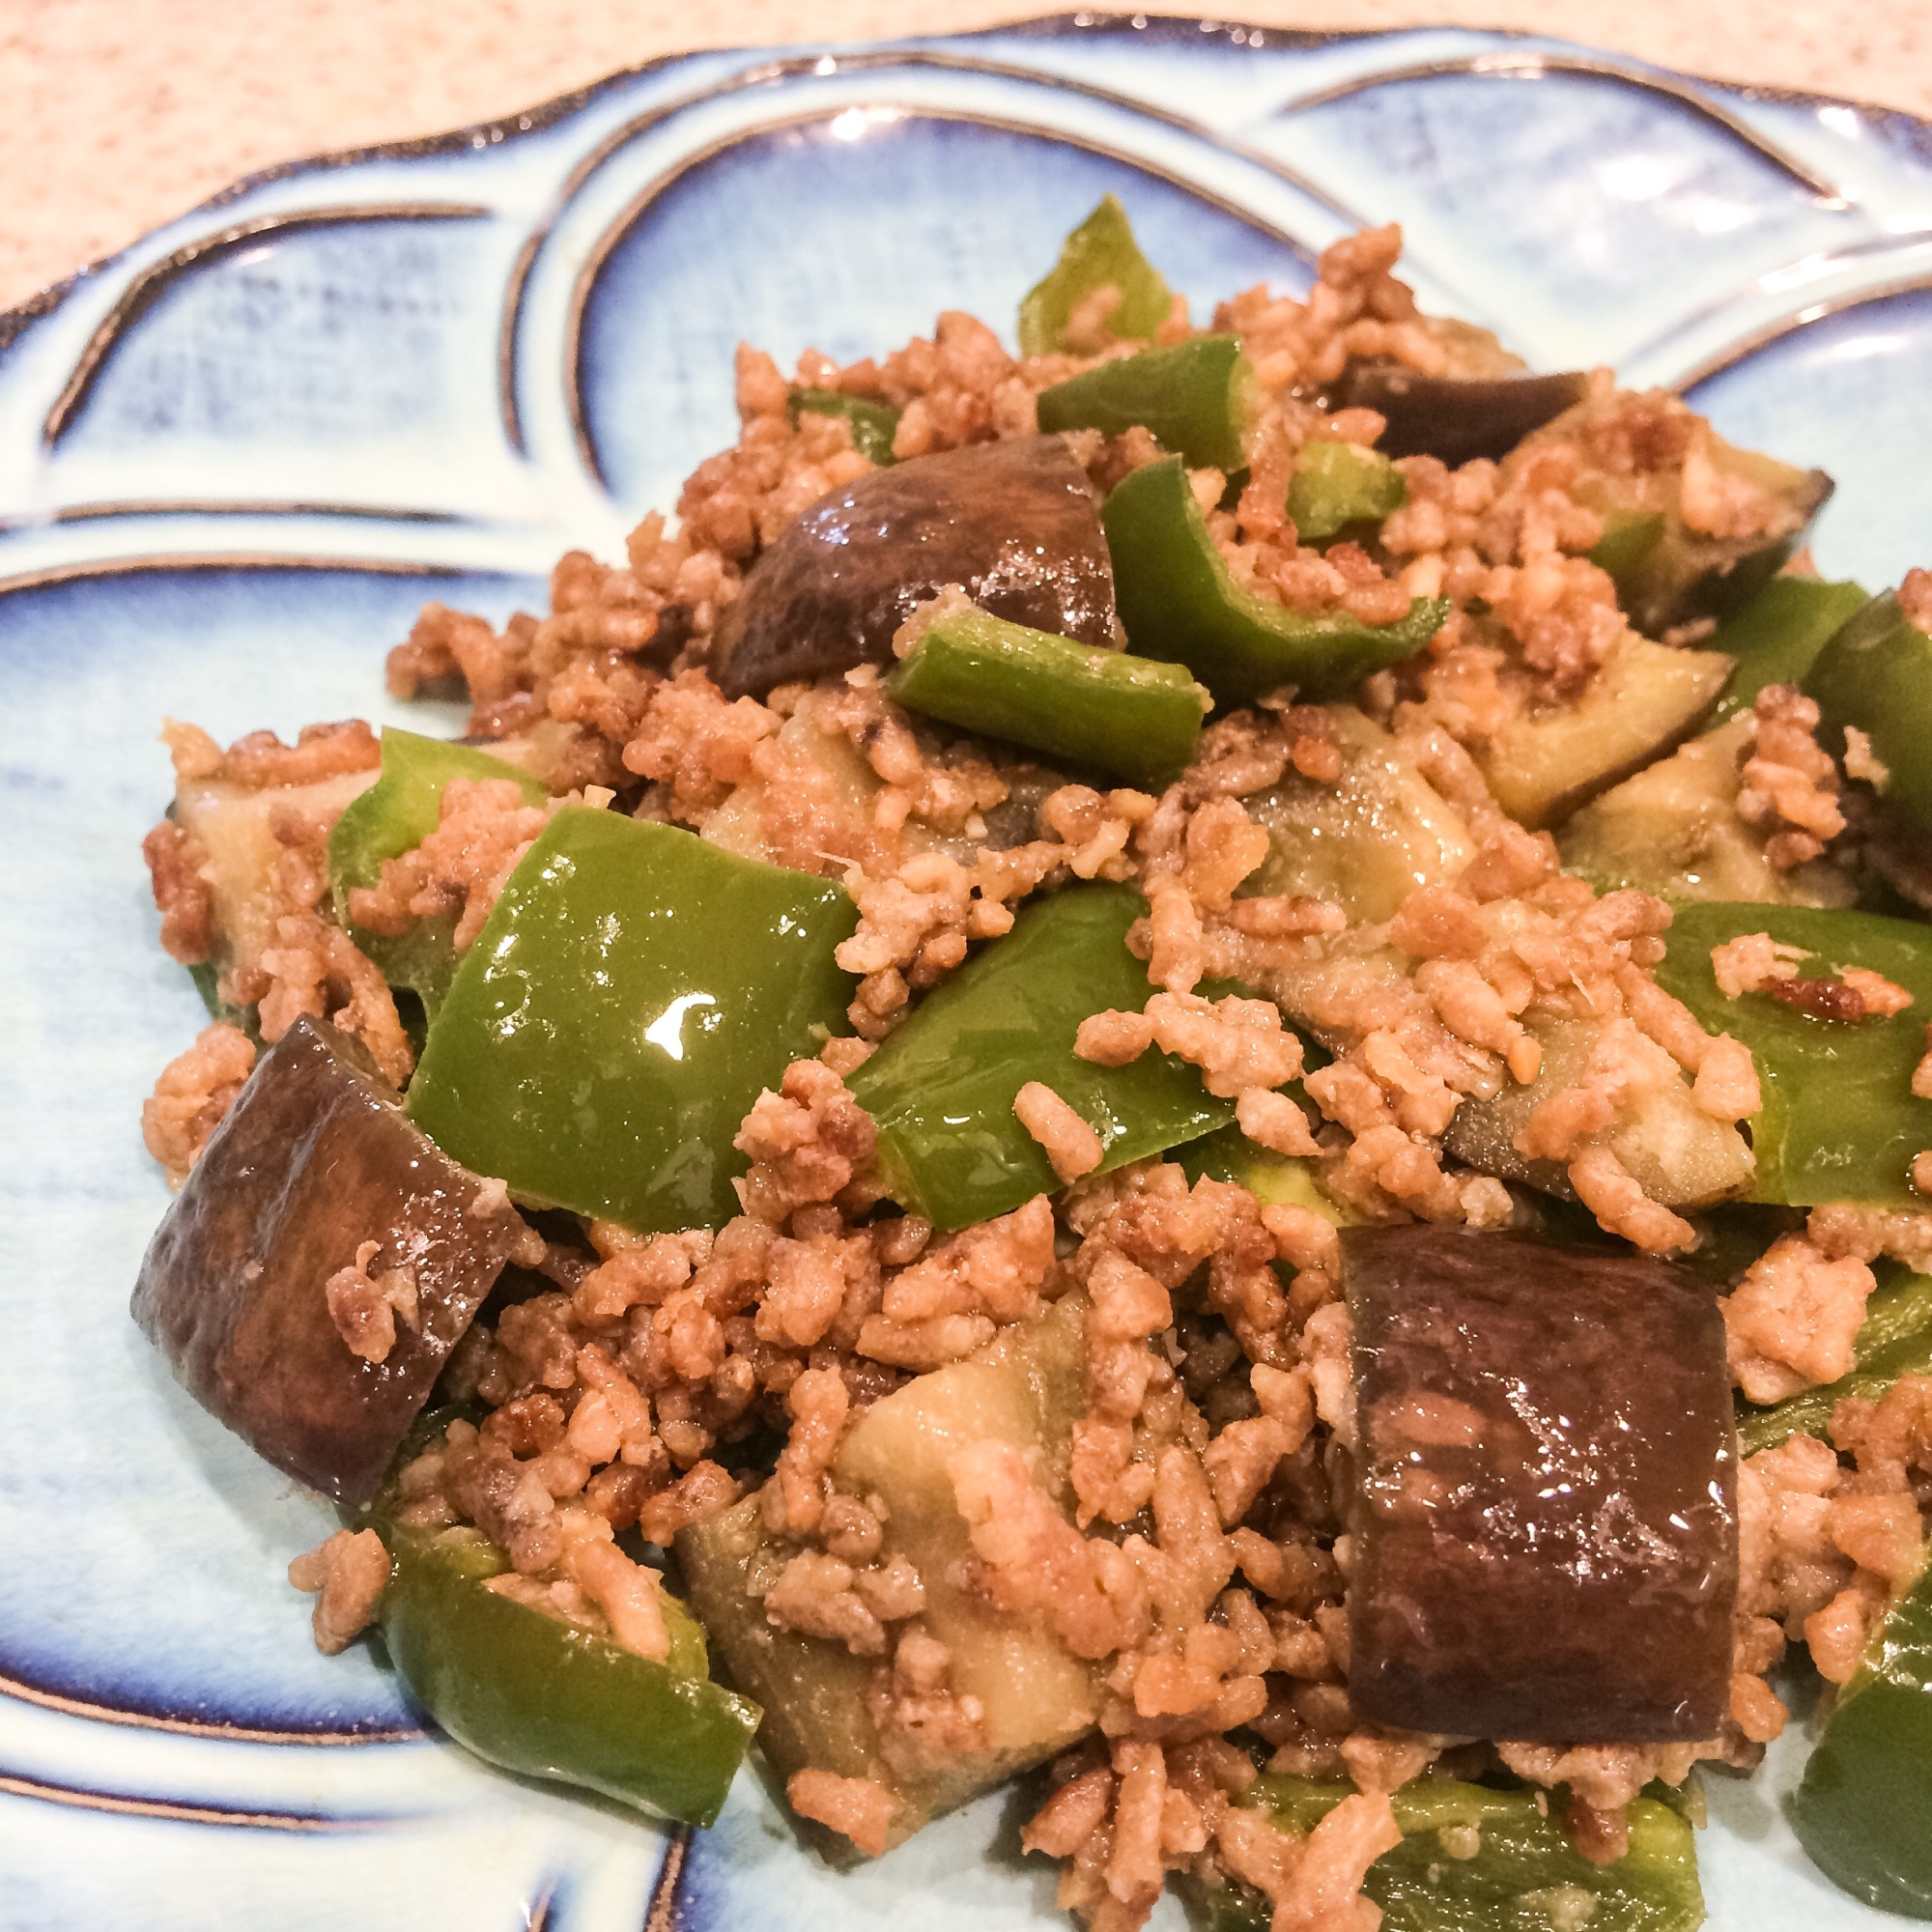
[873,425]
[1198,399]
[1894,1339]
[1472,1860]
[1101,252]
[394,817]
[1863,1811]
[1627,543]
[942,1088]
[1137,717]
[632,991]
[1177,600]
[1839,1120]
[549,1699]
[1876,673]
[1776,636]
[1335,485]
[1275,1179]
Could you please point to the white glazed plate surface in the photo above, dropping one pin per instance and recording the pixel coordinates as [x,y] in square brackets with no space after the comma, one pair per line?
[235,460]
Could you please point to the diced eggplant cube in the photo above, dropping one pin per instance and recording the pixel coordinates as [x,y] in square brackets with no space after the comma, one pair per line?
[1546,1520]
[316,1158]
[1014,522]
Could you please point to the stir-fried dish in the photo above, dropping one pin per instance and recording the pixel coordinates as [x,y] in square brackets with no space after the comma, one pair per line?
[1195,1067]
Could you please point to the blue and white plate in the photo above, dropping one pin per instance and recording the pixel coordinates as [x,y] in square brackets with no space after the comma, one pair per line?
[235,459]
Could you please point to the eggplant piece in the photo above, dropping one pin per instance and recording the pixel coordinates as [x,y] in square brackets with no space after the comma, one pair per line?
[1546,1528]
[1367,840]
[1026,1387]
[1673,830]
[1678,1154]
[1456,418]
[1633,453]
[234,825]
[1015,522]
[1644,702]
[314,1159]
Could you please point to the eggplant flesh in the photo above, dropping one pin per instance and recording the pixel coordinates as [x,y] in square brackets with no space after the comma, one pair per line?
[315,1159]
[1014,522]
[1456,418]
[1546,1538]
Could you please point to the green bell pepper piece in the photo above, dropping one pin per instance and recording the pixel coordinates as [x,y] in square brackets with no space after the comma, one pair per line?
[1526,1872]
[1101,251]
[1894,1339]
[1177,600]
[1275,1179]
[1864,1810]
[1839,1120]
[630,994]
[1625,545]
[1877,674]
[1336,484]
[942,1088]
[1198,399]
[547,1699]
[1136,718]
[394,817]
[1776,636]
[873,425]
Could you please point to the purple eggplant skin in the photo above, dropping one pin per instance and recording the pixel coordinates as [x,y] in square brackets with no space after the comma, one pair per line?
[1546,1535]
[1456,418]
[315,1157]
[1015,522]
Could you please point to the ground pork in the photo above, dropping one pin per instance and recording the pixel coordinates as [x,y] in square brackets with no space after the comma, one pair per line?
[1790,790]
[484,830]
[807,1142]
[860,1808]
[364,1307]
[311,966]
[183,896]
[347,1572]
[1891,1437]
[260,760]
[1794,1318]
[1822,1552]
[1914,598]
[195,1090]
[1068,1143]
[1842,1228]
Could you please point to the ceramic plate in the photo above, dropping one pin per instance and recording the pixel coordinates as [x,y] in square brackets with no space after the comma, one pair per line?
[234,461]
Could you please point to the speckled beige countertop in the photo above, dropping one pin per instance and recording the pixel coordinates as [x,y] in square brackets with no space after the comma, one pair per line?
[121,113]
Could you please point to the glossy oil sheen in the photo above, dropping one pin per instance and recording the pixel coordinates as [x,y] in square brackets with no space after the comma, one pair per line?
[1546,1537]
[628,998]
[1014,523]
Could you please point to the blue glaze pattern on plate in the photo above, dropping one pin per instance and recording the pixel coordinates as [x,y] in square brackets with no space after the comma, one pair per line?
[235,459]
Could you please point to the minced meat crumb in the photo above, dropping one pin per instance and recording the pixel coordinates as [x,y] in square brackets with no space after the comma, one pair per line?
[347,1574]
[1068,1143]
[195,1091]
[861,1808]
